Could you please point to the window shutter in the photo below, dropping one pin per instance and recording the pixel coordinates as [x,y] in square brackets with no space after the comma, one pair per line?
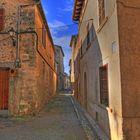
[104,85]
[1,19]
[101,11]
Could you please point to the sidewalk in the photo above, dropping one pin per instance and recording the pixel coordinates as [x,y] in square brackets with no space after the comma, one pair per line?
[89,124]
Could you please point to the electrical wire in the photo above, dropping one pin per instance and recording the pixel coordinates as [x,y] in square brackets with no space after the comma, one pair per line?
[66,25]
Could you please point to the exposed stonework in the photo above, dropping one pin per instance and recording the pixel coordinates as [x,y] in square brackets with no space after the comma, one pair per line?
[31,86]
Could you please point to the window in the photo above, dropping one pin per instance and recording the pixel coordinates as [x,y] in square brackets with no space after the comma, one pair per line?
[103,71]
[88,35]
[1,19]
[44,36]
[101,5]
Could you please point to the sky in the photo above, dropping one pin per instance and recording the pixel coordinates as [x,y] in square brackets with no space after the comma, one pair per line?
[59,18]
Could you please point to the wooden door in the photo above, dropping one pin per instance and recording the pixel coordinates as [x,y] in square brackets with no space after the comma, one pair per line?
[4,88]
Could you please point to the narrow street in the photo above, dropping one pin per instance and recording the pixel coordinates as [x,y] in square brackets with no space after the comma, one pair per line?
[58,121]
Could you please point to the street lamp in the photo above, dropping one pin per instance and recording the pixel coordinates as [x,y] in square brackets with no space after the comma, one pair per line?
[12,32]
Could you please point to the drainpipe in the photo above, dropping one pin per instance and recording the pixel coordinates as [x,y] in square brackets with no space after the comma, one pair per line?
[18,61]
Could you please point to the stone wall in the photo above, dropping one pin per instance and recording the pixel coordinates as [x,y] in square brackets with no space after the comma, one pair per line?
[29,90]
[97,53]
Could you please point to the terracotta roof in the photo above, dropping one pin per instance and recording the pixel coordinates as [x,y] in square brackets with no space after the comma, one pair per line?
[77,9]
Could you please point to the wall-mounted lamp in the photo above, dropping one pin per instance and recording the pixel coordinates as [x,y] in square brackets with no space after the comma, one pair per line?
[12,34]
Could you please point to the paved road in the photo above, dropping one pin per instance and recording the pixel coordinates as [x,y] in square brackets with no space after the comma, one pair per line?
[57,122]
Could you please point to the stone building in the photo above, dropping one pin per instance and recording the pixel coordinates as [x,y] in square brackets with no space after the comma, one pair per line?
[27,76]
[67,85]
[59,59]
[106,67]
[71,62]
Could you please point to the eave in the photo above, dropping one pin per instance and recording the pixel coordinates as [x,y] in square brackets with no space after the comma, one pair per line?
[77,9]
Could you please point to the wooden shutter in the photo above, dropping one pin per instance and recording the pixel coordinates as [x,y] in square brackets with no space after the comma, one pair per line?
[101,11]
[1,19]
[104,85]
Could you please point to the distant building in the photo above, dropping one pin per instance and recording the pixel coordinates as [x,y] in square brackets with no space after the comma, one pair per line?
[59,64]
[71,62]
[107,65]
[27,75]
[67,85]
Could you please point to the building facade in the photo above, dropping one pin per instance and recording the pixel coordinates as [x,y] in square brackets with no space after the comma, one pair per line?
[71,62]
[27,75]
[67,85]
[59,59]
[106,67]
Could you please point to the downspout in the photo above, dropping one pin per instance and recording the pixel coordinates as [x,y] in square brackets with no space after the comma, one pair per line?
[18,61]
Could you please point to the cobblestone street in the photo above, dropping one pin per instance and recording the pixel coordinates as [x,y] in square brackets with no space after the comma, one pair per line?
[58,121]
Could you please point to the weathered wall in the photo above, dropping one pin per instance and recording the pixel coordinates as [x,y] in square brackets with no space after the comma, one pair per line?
[73,47]
[45,65]
[129,36]
[99,53]
[59,57]
[22,84]
[29,87]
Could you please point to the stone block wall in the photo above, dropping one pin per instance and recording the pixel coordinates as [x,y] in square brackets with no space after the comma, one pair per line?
[29,88]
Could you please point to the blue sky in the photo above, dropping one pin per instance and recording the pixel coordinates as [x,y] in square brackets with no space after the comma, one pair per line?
[59,17]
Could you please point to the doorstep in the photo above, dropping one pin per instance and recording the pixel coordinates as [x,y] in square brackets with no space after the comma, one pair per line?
[4,113]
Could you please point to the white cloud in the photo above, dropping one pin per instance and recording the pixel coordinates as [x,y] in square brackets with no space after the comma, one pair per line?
[56,23]
[66,9]
[56,27]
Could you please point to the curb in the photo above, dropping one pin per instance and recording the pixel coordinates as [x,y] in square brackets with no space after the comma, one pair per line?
[98,132]
[84,122]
